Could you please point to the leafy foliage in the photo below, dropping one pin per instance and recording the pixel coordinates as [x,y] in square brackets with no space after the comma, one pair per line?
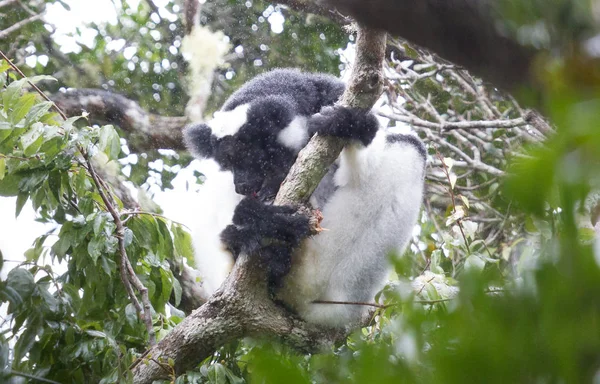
[79,323]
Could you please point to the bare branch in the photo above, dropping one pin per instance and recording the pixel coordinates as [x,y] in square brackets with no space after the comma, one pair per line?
[190,12]
[128,276]
[4,3]
[17,26]
[449,126]
[147,130]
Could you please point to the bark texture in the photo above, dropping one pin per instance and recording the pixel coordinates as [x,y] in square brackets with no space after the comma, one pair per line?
[146,130]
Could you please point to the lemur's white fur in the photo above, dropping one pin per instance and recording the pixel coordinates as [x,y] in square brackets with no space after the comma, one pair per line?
[370,212]
[294,135]
[229,122]
[216,202]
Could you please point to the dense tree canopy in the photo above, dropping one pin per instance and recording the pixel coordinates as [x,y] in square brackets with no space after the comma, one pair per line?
[500,283]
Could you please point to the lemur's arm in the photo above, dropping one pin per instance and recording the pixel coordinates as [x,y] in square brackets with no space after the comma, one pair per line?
[347,123]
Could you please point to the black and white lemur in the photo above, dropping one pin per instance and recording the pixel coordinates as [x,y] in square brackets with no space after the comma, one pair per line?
[370,199]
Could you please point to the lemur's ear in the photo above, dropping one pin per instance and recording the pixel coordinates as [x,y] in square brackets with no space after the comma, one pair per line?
[199,140]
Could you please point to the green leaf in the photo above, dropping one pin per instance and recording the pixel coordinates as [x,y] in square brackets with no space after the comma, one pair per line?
[109,142]
[2,167]
[166,277]
[37,111]
[177,290]
[22,107]
[65,239]
[26,340]
[131,315]
[33,139]
[11,93]
[95,248]
[183,242]
[98,223]
[9,185]
[4,358]
[38,78]
[4,66]
[217,374]
[21,280]
[21,200]
[128,237]
[32,181]
[93,333]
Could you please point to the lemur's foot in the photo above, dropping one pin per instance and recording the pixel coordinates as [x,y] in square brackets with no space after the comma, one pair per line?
[257,225]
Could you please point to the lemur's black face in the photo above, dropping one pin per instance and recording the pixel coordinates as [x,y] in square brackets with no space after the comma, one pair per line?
[258,165]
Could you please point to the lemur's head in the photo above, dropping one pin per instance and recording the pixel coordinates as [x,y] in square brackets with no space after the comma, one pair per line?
[258,145]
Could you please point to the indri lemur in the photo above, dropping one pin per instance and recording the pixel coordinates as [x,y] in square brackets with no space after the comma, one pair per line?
[369,199]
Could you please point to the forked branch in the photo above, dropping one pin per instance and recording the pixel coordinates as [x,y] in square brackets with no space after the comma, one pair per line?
[242,306]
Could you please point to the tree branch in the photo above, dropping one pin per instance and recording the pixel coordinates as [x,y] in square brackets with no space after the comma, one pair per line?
[243,306]
[4,3]
[462,31]
[147,130]
[128,276]
[18,25]
[314,7]
[453,125]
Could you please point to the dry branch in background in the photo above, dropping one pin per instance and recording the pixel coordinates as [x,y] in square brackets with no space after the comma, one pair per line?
[462,31]
[477,126]
[242,306]
[146,130]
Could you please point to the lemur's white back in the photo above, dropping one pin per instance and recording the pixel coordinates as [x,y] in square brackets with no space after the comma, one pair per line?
[372,213]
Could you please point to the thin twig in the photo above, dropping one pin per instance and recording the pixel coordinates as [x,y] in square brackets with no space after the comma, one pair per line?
[128,275]
[32,377]
[13,66]
[434,301]
[452,125]
[27,9]
[451,191]
[3,156]
[350,303]
[18,25]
